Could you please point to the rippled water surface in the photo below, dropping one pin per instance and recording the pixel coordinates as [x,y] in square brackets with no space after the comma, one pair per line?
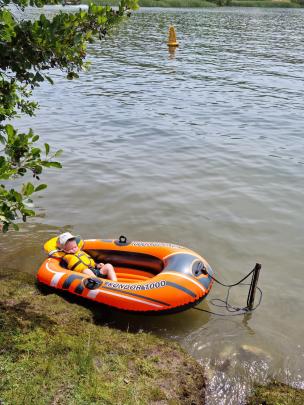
[203,147]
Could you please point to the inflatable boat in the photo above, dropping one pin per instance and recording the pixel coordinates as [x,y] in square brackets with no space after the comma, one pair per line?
[153,277]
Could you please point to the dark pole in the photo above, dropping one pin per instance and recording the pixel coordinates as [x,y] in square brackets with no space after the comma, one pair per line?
[253,285]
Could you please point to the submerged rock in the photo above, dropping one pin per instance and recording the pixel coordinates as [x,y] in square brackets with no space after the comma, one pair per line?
[256,351]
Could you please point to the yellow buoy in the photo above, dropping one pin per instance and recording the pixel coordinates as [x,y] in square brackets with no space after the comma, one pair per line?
[172,37]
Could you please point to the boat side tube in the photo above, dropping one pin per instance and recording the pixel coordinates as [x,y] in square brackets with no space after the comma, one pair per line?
[180,278]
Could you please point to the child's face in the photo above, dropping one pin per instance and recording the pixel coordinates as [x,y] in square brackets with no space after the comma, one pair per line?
[71,247]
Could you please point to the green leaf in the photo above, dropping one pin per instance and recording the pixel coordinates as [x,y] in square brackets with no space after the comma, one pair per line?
[28,189]
[9,130]
[52,164]
[49,79]
[41,187]
[38,77]
[21,171]
[35,152]
[2,161]
[15,196]
[28,213]
[72,75]
[47,148]
[5,227]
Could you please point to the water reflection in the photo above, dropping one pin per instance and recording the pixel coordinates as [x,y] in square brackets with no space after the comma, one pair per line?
[172,52]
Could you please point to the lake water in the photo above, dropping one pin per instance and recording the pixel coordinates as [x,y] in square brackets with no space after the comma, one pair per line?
[203,147]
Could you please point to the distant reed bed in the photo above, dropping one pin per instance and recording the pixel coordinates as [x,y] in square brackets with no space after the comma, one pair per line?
[160,3]
[210,3]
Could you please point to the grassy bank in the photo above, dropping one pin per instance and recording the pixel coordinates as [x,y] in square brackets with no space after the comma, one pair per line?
[276,393]
[55,351]
[210,3]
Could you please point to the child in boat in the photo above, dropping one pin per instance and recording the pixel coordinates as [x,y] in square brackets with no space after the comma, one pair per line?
[78,260]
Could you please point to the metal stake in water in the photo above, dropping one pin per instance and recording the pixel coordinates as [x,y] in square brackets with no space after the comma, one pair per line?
[253,285]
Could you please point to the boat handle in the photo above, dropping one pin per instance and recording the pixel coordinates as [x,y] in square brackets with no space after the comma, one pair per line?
[122,239]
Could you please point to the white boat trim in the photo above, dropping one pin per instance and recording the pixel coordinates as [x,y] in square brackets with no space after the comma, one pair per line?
[175,273]
[94,293]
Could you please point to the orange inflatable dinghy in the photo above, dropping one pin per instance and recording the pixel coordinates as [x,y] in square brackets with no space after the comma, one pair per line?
[152,276]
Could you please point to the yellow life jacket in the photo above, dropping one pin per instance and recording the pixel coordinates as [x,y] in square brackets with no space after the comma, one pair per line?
[79,261]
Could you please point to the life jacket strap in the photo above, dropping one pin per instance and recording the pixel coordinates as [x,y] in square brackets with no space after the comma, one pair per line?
[76,264]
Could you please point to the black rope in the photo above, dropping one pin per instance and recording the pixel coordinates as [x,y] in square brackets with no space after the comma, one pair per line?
[235,311]
[233,285]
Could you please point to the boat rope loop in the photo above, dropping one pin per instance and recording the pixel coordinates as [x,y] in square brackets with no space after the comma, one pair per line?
[235,311]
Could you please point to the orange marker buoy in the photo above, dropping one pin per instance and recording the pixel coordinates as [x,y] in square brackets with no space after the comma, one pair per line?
[172,37]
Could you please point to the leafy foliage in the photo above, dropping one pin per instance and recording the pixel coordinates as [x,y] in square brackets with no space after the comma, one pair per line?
[29,51]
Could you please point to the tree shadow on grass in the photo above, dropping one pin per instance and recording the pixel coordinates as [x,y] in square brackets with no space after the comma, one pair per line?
[101,314]
[19,315]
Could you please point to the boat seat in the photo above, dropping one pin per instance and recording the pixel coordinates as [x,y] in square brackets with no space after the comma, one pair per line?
[132,275]
[125,275]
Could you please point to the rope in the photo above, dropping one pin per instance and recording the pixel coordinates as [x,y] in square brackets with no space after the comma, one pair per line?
[235,311]
[257,266]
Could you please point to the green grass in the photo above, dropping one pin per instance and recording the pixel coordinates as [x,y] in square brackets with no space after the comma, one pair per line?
[276,394]
[55,350]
